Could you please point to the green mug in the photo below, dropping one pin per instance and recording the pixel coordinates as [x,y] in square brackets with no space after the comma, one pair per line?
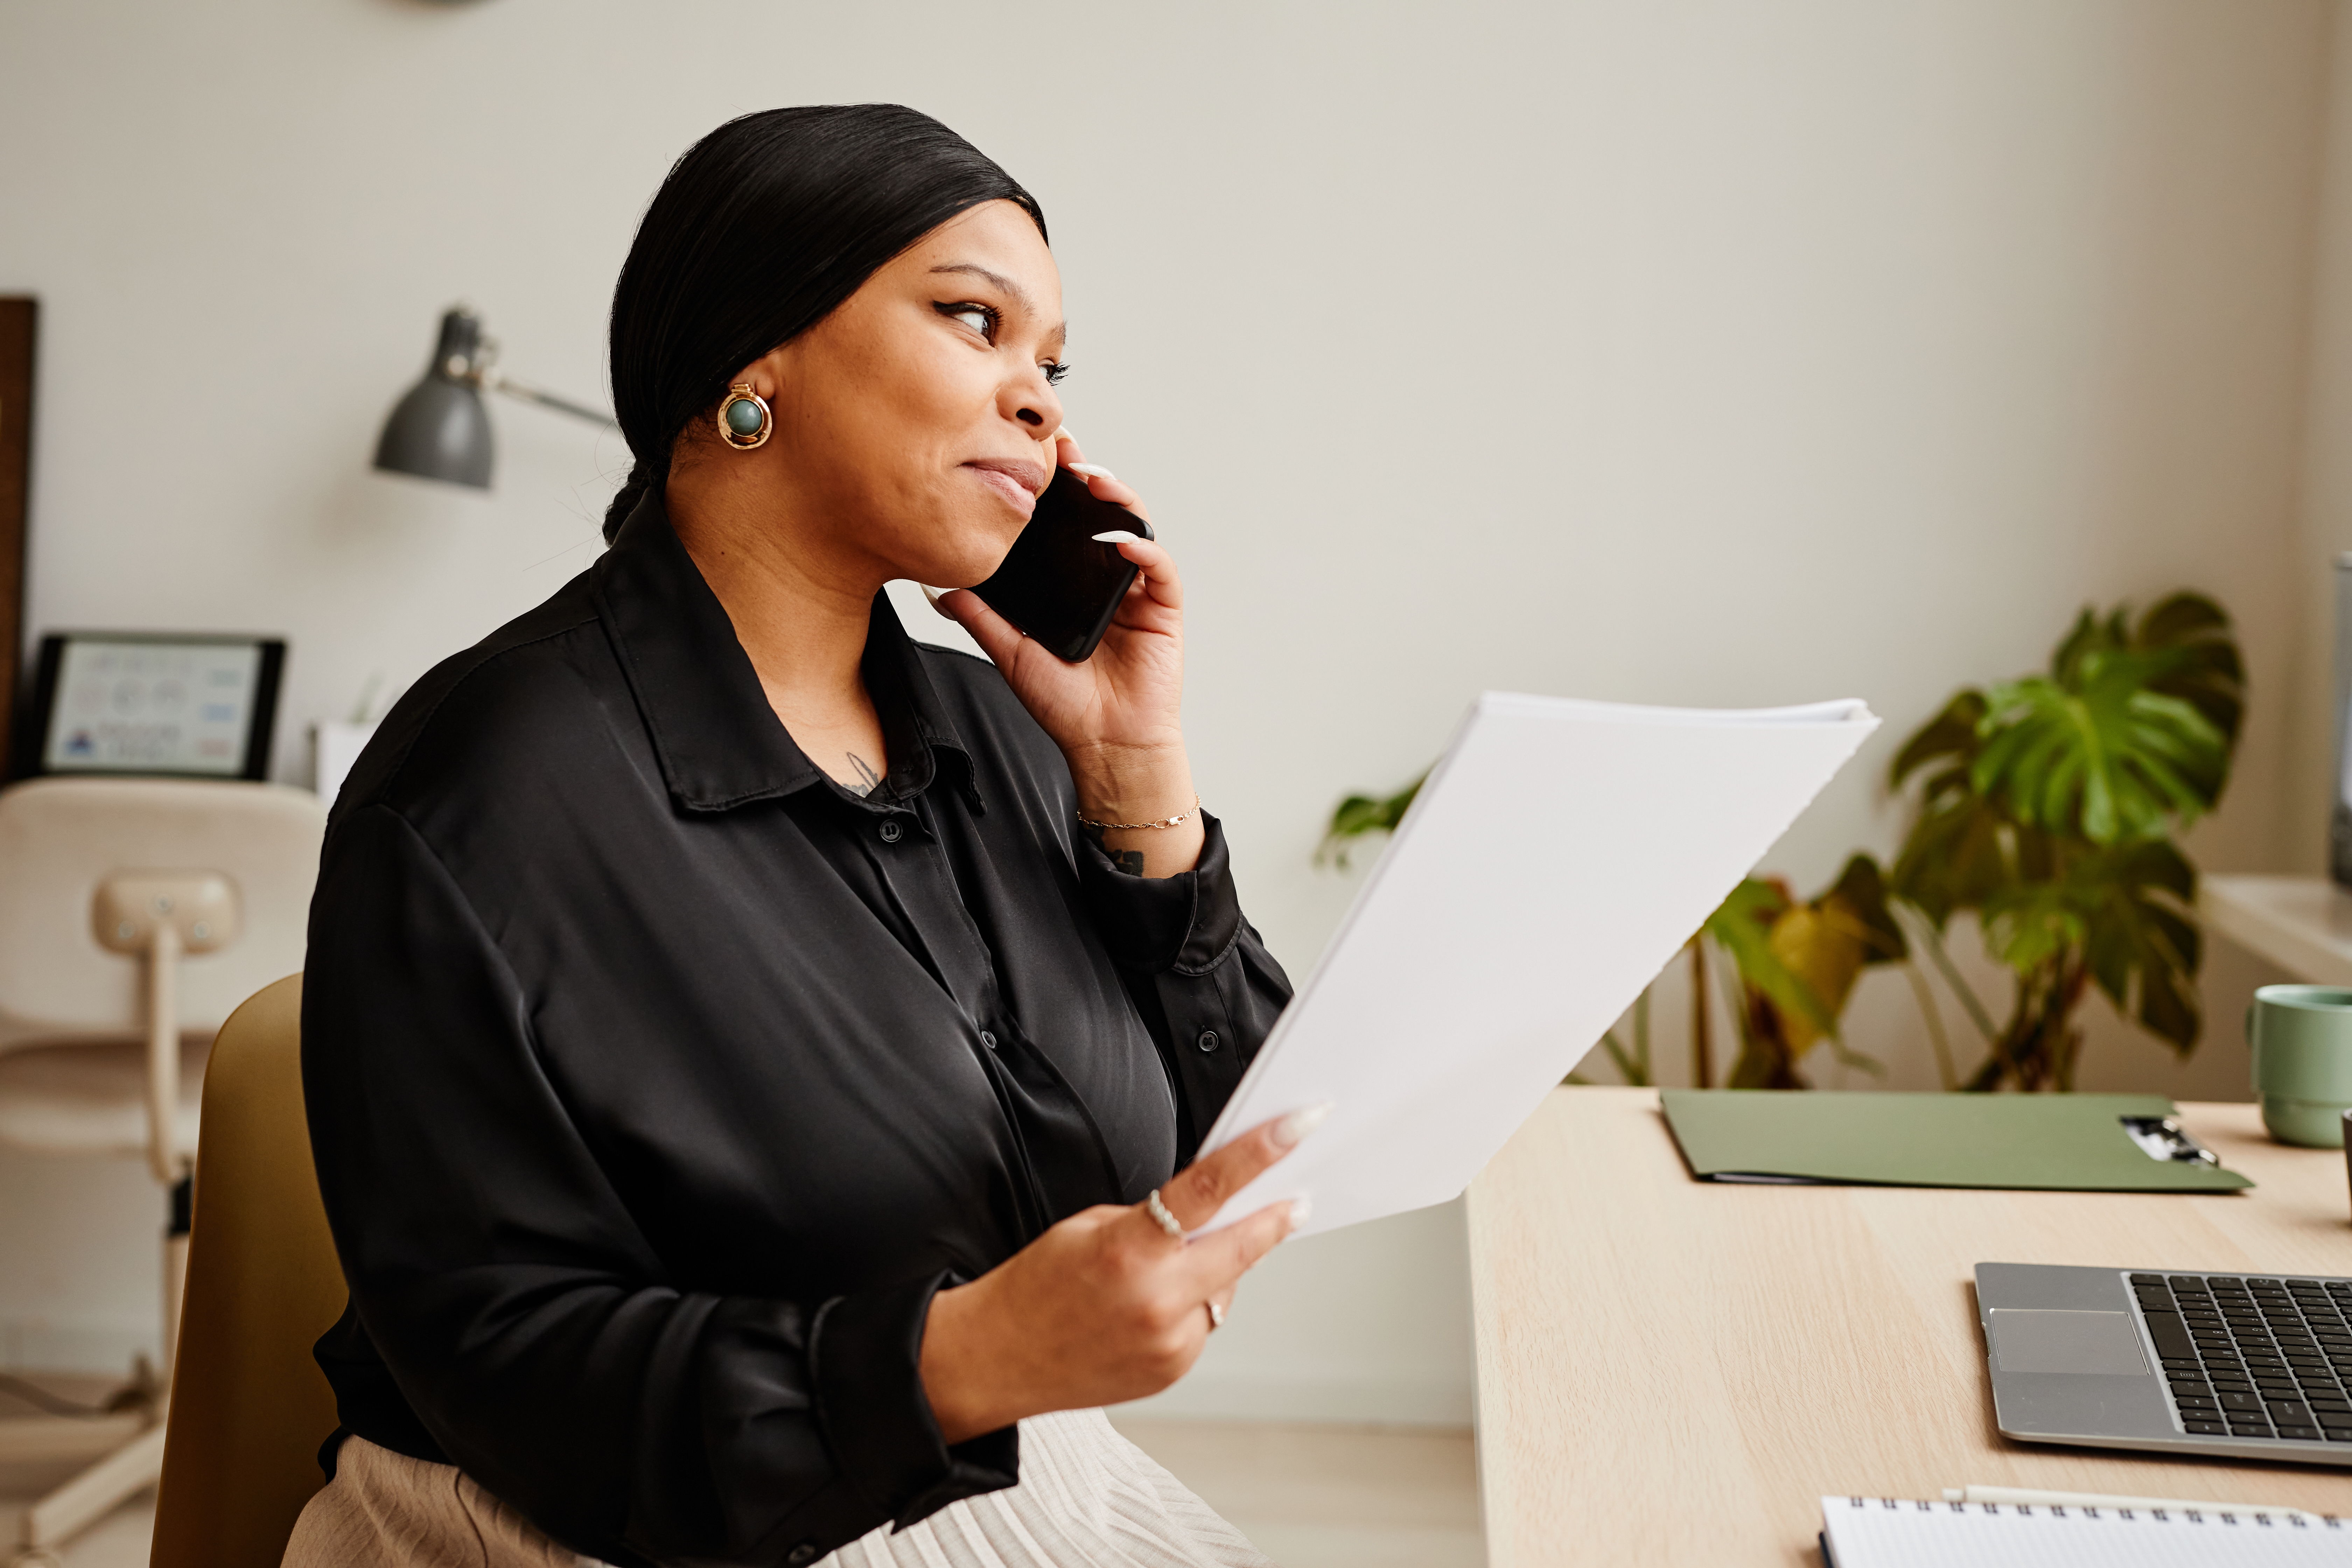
[2301,1036]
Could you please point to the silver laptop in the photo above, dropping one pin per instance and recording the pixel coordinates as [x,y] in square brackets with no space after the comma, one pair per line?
[2237,1365]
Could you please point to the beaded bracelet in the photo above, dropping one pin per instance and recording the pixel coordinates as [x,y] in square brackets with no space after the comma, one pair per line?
[1176,821]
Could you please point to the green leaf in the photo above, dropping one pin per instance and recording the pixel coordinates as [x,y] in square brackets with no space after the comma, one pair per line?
[2168,1008]
[2160,864]
[1950,734]
[1360,814]
[1742,926]
[2206,671]
[1959,853]
[2094,753]
[2087,635]
[2032,924]
[1860,894]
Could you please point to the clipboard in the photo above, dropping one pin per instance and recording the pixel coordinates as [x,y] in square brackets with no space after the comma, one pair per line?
[2026,1143]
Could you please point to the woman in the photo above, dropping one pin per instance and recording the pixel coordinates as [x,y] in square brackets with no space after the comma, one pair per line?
[747,1051]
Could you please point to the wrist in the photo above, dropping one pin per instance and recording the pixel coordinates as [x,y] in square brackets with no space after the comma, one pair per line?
[955,1365]
[1174,819]
[1133,784]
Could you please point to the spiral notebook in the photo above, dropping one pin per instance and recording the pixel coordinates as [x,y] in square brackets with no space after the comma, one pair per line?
[1884,1532]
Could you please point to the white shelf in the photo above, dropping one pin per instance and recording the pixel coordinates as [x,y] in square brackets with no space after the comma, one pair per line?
[2302,924]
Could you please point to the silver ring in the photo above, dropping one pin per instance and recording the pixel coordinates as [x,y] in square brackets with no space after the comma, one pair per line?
[1159,1211]
[1216,1316]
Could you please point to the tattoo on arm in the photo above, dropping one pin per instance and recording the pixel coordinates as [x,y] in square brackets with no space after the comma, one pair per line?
[1128,860]
[867,779]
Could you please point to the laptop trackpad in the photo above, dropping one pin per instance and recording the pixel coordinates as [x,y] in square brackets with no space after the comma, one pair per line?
[2029,1340]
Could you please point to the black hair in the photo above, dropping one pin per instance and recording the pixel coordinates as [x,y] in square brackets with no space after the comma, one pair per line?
[757,233]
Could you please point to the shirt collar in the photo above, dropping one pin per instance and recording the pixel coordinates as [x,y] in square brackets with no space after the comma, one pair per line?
[719,744]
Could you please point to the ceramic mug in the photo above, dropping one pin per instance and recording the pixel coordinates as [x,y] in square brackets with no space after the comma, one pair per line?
[2301,1041]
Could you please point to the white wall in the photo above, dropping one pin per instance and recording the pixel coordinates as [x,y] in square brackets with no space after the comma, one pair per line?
[1645,349]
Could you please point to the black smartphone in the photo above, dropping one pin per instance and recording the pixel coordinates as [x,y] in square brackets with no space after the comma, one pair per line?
[1058,586]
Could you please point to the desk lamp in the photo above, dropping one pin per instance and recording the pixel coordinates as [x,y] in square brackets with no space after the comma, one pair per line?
[440,430]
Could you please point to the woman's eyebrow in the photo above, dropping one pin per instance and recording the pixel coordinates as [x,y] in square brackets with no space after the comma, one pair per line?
[1061,332]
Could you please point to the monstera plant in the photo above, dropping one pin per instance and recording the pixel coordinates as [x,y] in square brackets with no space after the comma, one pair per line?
[2045,807]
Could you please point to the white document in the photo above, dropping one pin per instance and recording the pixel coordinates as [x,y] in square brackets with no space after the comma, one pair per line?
[1559,855]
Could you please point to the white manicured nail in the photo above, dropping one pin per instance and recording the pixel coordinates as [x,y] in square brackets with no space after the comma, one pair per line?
[1062,433]
[1092,471]
[932,594]
[1301,1210]
[1118,536]
[1291,1129]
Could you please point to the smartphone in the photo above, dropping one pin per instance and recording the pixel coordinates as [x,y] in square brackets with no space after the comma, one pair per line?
[1058,586]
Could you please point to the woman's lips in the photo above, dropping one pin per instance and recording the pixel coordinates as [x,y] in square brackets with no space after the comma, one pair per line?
[1017,482]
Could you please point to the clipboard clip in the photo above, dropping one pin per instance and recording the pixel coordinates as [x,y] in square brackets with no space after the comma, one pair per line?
[2162,1138]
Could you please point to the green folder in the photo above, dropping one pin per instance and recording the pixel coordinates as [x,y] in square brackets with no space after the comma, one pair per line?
[2045,1143]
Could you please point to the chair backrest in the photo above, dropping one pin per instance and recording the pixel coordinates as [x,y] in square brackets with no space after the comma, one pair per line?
[59,837]
[250,1408]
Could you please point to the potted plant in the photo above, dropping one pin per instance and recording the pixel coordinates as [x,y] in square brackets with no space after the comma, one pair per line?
[2046,807]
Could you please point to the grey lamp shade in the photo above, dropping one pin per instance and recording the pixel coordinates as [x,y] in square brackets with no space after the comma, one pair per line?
[440,430]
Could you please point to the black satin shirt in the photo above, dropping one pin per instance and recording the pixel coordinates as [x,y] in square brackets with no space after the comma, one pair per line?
[656,1081]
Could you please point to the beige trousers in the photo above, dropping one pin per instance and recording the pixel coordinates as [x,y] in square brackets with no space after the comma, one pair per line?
[1087,1498]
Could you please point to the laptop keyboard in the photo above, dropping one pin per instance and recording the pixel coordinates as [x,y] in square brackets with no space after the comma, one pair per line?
[2252,1356]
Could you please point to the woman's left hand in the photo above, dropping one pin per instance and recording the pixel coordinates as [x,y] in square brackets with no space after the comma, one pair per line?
[1117,716]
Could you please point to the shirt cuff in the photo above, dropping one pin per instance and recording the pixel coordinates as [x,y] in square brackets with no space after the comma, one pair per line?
[865,1361]
[1186,923]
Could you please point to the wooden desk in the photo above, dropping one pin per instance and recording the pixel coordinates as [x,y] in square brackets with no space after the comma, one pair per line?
[1676,1371]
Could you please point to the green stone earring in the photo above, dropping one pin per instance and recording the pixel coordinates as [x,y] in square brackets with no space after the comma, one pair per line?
[745,422]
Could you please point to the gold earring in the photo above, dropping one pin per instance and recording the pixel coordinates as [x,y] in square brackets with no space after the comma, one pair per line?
[745,421]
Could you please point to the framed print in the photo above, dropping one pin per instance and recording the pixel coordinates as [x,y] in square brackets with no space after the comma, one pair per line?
[189,706]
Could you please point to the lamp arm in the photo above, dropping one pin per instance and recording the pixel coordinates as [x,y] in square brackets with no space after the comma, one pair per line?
[516,389]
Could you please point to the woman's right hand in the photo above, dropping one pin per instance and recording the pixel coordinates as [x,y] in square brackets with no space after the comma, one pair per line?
[1106,1305]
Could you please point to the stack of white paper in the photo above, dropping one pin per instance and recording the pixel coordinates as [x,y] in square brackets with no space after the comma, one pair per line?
[1559,855]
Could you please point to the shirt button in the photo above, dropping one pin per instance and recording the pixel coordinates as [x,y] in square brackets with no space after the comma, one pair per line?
[1208,1040]
[891,831]
[988,1039]
[800,1554]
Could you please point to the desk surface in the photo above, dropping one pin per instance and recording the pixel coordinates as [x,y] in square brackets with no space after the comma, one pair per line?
[2302,924]
[1672,1371]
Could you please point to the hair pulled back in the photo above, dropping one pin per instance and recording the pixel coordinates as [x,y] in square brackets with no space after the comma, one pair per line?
[757,233]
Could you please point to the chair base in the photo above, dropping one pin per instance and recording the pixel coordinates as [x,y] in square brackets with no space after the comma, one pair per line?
[60,1439]
[74,1507]
[123,1454]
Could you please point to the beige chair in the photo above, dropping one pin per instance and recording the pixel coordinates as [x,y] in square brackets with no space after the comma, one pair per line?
[134,914]
[250,1407]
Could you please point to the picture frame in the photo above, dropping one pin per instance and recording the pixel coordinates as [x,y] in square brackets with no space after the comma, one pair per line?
[152,704]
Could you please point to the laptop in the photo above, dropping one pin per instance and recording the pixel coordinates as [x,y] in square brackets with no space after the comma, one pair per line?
[2241,1366]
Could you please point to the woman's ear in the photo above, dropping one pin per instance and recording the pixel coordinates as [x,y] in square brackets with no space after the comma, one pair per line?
[768,374]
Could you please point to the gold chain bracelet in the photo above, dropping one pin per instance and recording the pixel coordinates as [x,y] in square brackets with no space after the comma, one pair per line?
[1178,820]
